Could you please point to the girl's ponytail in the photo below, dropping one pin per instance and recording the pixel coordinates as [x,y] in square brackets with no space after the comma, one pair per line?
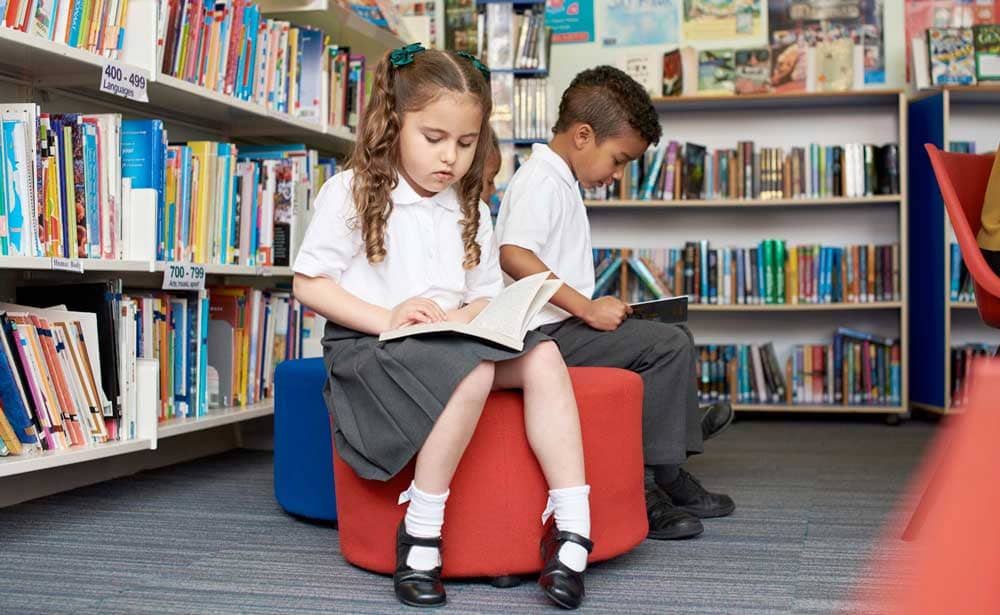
[375,160]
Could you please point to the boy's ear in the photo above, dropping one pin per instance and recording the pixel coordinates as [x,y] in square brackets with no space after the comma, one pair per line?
[583,135]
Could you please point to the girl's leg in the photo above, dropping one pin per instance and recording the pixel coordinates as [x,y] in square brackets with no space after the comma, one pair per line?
[550,414]
[552,424]
[437,461]
[443,449]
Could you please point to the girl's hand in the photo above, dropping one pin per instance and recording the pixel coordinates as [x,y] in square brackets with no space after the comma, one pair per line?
[413,311]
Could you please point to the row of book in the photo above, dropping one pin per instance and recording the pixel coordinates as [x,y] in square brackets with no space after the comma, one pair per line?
[516,39]
[226,46]
[825,66]
[97,186]
[230,47]
[688,171]
[87,372]
[957,56]
[857,368]
[961,286]
[98,27]
[962,358]
[962,147]
[519,107]
[770,273]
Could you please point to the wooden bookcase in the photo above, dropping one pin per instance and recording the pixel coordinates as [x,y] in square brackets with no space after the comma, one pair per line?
[940,117]
[873,116]
[64,79]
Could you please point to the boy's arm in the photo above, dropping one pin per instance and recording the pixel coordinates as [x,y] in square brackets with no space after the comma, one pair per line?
[520,262]
[604,314]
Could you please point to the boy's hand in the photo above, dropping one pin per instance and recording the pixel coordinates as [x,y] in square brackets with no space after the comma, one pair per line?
[606,313]
[415,310]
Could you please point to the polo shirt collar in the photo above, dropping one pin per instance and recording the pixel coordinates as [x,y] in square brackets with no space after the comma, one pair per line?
[404,194]
[562,169]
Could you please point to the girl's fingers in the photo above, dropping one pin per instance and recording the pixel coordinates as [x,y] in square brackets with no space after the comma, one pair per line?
[434,308]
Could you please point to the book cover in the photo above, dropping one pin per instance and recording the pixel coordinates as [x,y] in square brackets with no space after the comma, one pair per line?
[673,74]
[672,310]
[952,56]
[986,43]
[834,65]
[694,170]
[753,71]
[715,71]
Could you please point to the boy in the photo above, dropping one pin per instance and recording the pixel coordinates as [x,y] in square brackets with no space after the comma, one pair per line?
[606,120]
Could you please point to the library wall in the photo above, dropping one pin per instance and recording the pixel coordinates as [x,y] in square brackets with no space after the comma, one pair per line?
[570,58]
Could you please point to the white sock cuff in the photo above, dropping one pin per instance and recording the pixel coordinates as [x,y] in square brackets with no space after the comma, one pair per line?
[413,493]
[564,497]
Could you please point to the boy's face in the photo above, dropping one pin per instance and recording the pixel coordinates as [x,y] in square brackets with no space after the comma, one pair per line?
[490,170]
[598,163]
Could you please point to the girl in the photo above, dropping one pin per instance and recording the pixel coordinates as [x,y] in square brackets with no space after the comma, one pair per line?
[401,238]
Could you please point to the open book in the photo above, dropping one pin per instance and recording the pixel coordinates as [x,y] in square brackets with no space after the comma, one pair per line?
[672,310]
[504,321]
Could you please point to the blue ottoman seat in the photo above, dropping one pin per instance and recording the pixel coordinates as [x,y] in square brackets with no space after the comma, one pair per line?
[303,453]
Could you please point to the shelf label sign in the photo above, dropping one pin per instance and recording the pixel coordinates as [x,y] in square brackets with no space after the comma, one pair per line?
[125,81]
[67,264]
[184,276]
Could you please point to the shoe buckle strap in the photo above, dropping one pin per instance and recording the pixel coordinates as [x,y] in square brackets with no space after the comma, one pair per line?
[414,541]
[573,537]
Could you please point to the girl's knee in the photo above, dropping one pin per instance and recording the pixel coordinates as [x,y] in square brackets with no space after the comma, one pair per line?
[545,357]
[480,380]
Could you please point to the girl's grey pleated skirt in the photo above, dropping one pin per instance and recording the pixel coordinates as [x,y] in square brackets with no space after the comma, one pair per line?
[386,396]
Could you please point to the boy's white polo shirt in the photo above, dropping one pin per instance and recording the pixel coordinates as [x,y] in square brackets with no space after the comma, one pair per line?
[542,211]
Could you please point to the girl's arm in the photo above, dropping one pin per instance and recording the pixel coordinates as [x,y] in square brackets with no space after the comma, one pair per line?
[331,301]
[467,312]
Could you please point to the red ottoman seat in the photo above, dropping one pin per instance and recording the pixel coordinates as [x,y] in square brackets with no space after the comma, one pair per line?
[493,519]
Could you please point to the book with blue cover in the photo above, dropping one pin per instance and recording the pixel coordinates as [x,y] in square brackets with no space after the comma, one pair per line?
[143,157]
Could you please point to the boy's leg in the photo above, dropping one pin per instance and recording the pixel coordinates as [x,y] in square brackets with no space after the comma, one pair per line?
[664,356]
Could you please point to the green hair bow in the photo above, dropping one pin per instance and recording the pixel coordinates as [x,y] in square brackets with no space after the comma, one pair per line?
[404,55]
[475,62]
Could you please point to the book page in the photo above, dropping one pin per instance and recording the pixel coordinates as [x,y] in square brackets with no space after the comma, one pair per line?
[508,311]
[455,327]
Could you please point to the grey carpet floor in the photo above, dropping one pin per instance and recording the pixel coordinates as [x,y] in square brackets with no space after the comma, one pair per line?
[207,537]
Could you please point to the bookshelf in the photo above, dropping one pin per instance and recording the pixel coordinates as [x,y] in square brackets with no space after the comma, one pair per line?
[33,62]
[965,113]
[872,116]
[341,24]
[63,80]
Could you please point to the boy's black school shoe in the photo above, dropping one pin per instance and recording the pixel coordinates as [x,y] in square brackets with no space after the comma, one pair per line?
[666,521]
[561,584]
[689,495]
[416,587]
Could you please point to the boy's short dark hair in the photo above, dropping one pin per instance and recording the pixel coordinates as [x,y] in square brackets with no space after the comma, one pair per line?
[608,100]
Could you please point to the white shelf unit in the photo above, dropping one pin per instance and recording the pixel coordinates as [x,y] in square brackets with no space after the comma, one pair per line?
[343,25]
[32,66]
[35,62]
[44,263]
[877,116]
[961,113]
[43,460]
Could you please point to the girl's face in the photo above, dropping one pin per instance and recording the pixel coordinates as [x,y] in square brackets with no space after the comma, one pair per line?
[437,144]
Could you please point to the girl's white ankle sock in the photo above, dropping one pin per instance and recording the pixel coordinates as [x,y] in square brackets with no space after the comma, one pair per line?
[571,507]
[424,518]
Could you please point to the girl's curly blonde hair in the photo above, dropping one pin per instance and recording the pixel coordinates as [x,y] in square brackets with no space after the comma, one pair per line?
[376,157]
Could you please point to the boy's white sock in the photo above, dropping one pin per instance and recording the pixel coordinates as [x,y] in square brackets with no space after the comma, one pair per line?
[571,507]
[424,518]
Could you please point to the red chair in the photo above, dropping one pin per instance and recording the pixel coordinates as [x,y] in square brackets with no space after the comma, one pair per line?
[962,179]
[493,523]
